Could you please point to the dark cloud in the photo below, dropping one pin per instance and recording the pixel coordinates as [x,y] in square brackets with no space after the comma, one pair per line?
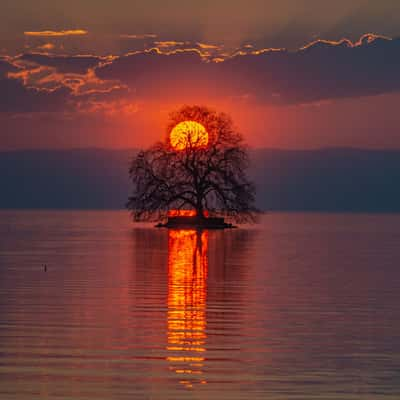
[153,74]
[320,71]
[16,98]
[63,64]
[47,83]
[6,66]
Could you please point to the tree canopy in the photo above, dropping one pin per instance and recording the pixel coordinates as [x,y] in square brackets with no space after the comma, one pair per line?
[204,174]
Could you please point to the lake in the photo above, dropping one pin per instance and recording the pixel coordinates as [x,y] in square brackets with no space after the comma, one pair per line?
[299,306]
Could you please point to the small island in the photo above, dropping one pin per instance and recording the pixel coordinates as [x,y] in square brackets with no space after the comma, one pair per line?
[194,222]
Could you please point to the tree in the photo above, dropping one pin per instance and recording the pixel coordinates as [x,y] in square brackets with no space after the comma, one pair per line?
[201,170]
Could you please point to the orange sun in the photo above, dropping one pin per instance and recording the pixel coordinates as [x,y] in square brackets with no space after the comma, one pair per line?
[188,134]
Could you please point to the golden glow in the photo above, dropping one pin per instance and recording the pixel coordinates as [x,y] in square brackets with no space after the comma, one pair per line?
[181,213]
[188,134]
[367,37]
[185,213]
[70,32]
[170,43]
[187,292]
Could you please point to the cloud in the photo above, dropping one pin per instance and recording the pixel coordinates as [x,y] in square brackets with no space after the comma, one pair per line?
[22,99]
[49,78]
[208,46]
[169,43]
[6,66]
[52,83]
[63,64]
[317,72]
[46,47]
[49,33]
[367,38]
[109,107]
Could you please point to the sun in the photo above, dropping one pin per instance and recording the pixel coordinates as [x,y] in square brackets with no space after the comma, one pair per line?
[188,134]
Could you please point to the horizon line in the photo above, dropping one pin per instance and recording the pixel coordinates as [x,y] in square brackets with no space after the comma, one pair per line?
[251,148]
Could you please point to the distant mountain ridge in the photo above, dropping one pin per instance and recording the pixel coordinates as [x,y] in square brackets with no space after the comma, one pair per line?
[332,179]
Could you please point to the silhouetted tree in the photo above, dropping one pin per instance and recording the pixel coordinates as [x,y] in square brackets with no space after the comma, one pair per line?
[199,176]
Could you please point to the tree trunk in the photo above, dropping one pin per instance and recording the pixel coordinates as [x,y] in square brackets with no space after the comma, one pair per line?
[199,210]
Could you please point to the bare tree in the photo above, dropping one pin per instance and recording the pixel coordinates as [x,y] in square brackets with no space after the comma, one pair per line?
[202,176]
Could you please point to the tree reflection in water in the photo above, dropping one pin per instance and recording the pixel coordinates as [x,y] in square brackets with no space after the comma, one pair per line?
[187,295]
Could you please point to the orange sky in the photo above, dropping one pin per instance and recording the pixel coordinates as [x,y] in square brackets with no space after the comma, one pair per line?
[292,75]
[368,122]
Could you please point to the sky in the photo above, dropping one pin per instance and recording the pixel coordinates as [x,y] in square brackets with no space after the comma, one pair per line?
[292,74]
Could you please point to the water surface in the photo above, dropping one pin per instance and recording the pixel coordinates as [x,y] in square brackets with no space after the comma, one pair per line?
[301,306]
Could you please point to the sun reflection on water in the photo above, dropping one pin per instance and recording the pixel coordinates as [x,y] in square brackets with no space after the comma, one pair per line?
[187,294]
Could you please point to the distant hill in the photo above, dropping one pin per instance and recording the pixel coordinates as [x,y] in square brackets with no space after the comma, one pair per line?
[66,179]
[328,180]
[311,180]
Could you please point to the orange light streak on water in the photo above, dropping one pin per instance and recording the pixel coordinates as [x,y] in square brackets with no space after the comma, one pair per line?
[187,295]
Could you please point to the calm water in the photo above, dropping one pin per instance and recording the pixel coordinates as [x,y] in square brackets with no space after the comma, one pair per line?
[302,306]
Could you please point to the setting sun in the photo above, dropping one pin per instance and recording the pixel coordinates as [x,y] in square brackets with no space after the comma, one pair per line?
[188,133]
